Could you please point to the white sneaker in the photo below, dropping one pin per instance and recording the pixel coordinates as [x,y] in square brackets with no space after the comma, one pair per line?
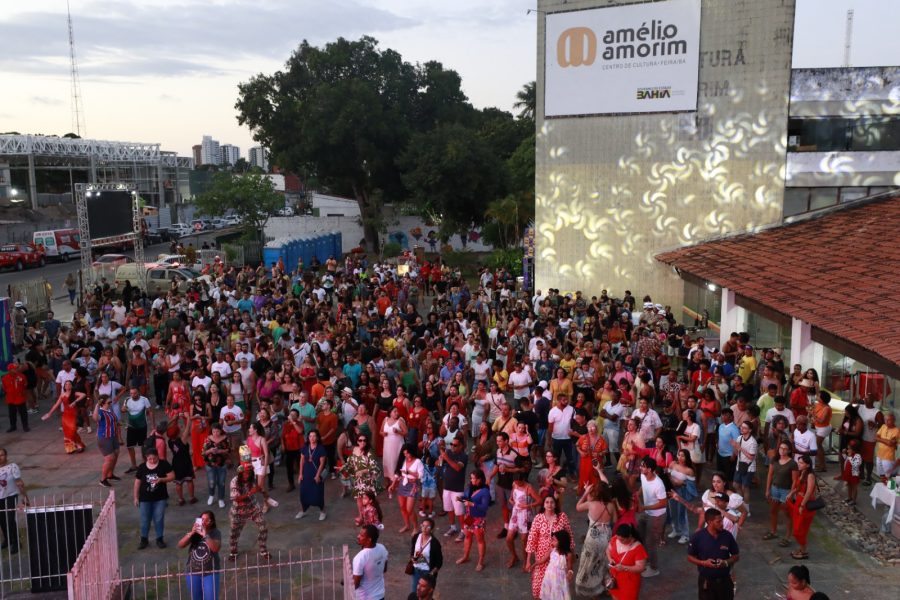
[683,539]
[89,429]
[648,572]
[210,500]
[321,516]
[452,530]
[673,534]
[300,515]
[422,513]
[221,504]
[272,502]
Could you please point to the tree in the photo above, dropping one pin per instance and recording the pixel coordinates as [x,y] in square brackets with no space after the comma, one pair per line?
[526,101]
[340,113]
[240,166]
[452,172]
[251,197]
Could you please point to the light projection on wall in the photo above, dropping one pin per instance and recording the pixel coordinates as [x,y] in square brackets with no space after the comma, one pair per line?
[614,191]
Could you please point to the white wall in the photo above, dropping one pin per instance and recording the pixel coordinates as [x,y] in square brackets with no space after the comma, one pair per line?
[352,231]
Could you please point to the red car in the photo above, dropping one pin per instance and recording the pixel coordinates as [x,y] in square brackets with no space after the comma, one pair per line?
[19,256]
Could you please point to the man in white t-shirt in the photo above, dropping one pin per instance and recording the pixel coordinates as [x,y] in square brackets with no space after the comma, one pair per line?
[779,409]
[221,366]
[559,424]
[369,565]
[804,440]
[651,515]
[519,382]
[66,374]
[200,378]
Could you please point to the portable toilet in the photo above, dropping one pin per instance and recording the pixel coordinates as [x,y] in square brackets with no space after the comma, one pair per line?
[272,252]
[336,248]
[290,260]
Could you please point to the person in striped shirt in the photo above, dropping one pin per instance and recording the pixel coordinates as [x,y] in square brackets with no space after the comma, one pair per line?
[107,439]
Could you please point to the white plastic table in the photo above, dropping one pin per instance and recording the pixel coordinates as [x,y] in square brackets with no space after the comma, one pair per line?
[881,493]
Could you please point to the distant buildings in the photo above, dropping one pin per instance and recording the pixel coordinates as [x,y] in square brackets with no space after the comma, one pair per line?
[197,153]
[210,153]
[229,154]
[259,157]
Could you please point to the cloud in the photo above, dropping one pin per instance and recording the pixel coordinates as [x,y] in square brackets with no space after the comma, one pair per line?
[186,38]
[45,101]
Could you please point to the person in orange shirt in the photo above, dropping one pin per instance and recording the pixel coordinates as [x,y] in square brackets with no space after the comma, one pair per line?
[382,304]
[15,385]
[821,415]
[318,389]
[327,424]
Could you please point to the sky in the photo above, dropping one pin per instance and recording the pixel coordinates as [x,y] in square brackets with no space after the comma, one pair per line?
[166,71]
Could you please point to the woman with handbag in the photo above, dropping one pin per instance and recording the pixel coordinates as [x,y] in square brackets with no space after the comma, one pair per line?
[689,440]
[425,553]
[627,560]
[803,501]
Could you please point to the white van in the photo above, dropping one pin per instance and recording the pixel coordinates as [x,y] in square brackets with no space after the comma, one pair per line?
[159,277]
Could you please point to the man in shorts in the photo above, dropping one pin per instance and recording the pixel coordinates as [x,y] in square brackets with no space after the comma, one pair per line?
[137,409]
[453,469]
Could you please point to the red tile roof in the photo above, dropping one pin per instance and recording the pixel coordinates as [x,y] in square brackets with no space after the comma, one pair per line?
[838,271]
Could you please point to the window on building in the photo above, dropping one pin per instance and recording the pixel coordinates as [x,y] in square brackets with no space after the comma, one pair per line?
[840,134]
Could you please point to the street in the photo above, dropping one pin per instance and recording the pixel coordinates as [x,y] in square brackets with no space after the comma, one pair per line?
[55,272]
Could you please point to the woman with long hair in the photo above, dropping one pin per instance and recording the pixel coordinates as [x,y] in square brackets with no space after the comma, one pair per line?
[545,524]
[205,541]
[591,449]
[177,397]
[476,500]
[313,459]
[598,502]
[803,490]
[782,478]
[362,470]
[200,413]
[407,482]
[393,432]
[260,458]
[68,403]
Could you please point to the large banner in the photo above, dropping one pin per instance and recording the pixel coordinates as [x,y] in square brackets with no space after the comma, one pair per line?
[637,58]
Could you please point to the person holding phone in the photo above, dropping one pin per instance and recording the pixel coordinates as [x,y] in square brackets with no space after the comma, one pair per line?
[203,564]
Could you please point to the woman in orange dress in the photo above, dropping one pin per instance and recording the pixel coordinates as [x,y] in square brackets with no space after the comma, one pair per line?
[591,450]
[803,491]
[68,404]
[627,560]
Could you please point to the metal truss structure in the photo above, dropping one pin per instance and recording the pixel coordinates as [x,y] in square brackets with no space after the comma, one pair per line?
[87,244]
[106,151]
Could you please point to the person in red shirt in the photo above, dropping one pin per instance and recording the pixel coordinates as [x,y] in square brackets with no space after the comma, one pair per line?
[382,304]
[292,442]
[15,385]
[799,401]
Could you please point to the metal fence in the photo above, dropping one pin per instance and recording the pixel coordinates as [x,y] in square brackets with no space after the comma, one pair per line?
[35,294]
[89,578]
[43,540]
[301,574]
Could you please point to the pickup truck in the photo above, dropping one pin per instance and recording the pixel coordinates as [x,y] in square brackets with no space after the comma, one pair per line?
[19,256]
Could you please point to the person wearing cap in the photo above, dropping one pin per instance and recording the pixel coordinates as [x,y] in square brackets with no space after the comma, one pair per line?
[15,386]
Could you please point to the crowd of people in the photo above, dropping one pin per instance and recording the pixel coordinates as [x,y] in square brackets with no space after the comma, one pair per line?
[457,400]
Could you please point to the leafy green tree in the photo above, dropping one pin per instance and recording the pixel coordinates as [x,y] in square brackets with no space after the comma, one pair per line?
[342,114]
[240,166]
[252,197]
[452,172]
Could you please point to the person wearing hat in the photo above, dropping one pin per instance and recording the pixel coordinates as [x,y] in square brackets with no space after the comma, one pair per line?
[15,385]
[20,320]
[244,507]
[800,400]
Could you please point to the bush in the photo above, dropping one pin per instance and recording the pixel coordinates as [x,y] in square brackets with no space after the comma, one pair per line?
[456,260]
[510,259]
[391,249]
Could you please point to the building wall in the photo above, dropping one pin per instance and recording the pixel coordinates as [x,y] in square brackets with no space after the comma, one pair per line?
[209,151]
[613,191]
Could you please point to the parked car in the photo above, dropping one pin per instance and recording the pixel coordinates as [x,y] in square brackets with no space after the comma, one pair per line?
[111,259]
[232,220]
[159,278]
[219,223]
[178,230]
[199,225]
[286,211]
[19,256]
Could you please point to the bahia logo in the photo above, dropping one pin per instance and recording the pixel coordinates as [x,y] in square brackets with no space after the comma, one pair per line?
[654,93]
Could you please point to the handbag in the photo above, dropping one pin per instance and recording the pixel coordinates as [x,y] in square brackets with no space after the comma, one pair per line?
[818,502]
[409,570]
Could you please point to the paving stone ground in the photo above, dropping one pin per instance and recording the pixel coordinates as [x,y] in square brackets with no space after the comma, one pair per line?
[836,567]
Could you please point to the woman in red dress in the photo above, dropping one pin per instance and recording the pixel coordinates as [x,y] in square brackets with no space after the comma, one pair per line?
[307,375]
[539,542]
[68,404]
[803,491]
[200,420]
[178,397]
[627,560]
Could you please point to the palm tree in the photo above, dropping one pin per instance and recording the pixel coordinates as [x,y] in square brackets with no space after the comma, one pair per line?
[526,101]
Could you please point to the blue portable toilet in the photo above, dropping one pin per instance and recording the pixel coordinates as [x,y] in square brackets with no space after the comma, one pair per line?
[336,247]
[293,247]
[272,252]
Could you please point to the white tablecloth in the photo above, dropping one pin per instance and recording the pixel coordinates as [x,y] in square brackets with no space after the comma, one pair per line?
[881,493]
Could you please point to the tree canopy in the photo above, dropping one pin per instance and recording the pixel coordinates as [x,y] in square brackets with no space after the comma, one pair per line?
[362,122]
[252,197]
